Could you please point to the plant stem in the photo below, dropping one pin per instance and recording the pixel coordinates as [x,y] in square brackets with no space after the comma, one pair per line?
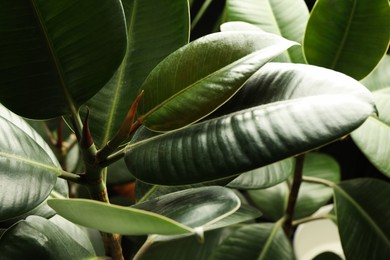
[113,158]
[312,218]
[318,181]
[149,241]
[292,199]
[71,177]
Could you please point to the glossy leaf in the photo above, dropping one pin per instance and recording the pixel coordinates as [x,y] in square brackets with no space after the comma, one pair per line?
[373,137]
[155,29]
[28,168]
[199,77]
[285,18]
[350,36]
[155,216]
[264,177]
[380,77]
[77,233]
[363,223]
[38,238]
[60,54]
[255,241]
[295,118]
[273,201]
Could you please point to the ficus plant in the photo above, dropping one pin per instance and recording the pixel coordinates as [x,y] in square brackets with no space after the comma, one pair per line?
[122,138]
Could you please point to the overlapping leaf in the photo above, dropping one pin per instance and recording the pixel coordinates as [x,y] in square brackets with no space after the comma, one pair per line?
[283,114]
[155,29]
[273,201]
[172,214]
[39,238]
[373,137]
[362,218]
[285,18]
[55,56]
[28,168]
[256,241]
[380,77]
[199,77]
[350,36]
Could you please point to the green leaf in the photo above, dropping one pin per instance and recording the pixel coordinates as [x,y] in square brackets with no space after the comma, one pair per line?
[373,137]
[196,79]
[38,238]
[155,29]
[123,220]
[196,207]
[186,248]
[78,234]
[255,241]
[295,118]
[273,201]
[42,210]
[264,177]
[286,18]
[380,77]
[350,36]
[28,168]
[193,208]
[362,218]
[60,54]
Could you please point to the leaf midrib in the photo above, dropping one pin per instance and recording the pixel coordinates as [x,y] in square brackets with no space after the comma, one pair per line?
[345,36]
[270,239]
[363,213]
[55,59]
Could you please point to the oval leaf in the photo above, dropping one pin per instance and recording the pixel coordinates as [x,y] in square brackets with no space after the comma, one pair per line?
[28,168]
[362,218]
[373,137]
[123,220]
[60,54]
[199,77]
[155,29]
[286,18]
[296,118]
[255,241]
[40,238]
[350,36]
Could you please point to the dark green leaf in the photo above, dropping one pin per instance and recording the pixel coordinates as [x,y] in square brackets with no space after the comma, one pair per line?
[255,241]
[295,118]
[55,56]
[348,36]
[155,29]
[380,77]
[273,201]
[28,168]
[286,18]
[38,238]
[363,218]
[264,177]
[373,137]
[196,79]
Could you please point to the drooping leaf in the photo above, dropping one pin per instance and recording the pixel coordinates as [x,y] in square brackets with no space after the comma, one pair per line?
[55,56]
[285,18]
[198,78]
[285,116]
[362,218]
[171,214]
[255,241]
[264,177]
[373,137]
[38,238]
[350,36]
[155,29]
[380,77]
[28,168]
[273,201]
